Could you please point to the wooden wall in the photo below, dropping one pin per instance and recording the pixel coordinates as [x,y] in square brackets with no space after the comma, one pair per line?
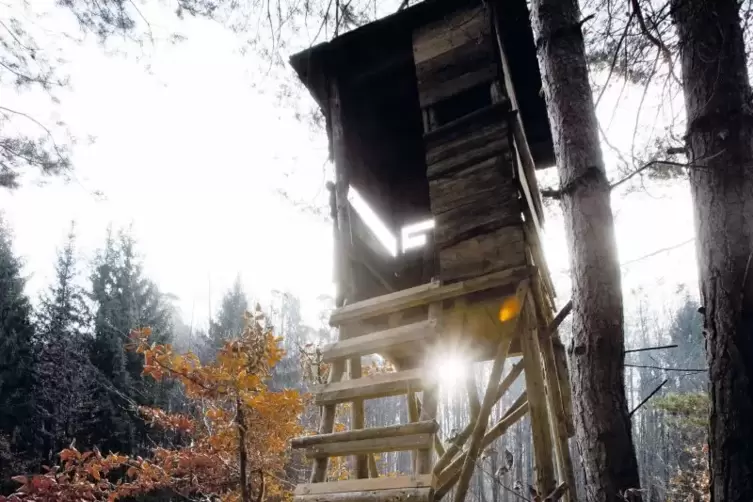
[469,159]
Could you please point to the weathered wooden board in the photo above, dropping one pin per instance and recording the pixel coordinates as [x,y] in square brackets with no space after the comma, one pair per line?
[434,90]
[426,427]
[496,113]
[453,55]
[426,293]
[452,153]
[375,342]
[496,250]
[359,485]
[470,26]
[369,387]
[398,495]
[368,446]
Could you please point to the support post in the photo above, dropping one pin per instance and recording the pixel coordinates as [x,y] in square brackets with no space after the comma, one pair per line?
[479,429]
[424,458]
[554,400]
[357,419]
[540,427]
[327,422]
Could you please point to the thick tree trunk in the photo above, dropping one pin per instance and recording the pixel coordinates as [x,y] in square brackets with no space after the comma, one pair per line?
[601,416]
[720,146]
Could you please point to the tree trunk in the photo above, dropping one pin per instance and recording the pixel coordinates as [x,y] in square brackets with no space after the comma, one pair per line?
[720,148]
[242,453]
[601,415]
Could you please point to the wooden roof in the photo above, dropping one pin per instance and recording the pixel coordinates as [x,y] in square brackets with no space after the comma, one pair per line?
[378,48]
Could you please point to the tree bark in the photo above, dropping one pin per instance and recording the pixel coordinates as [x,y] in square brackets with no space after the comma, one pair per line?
[601,416]
[242,453]
[720,148]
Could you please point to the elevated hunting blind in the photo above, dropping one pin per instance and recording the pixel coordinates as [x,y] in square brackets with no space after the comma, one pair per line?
[437,123]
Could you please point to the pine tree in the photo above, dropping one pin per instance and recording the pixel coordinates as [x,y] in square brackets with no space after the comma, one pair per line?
[66,381]
[719,142]
[602,422]
[125,300]
[229,320]
[17,361]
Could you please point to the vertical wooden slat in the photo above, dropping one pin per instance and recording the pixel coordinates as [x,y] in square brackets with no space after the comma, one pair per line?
[540,428]
[429,404]
[490,397]
[357,420]
[327,422]
[543,344]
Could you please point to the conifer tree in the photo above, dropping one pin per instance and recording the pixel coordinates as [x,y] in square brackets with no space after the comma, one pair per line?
[66,381]
[229,320]
[17,359]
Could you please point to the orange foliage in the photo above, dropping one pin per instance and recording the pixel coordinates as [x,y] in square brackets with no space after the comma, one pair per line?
[208,463]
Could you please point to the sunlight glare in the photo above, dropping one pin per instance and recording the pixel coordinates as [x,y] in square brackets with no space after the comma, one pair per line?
[451,370]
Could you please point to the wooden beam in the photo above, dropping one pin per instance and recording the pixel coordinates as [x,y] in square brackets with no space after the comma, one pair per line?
[327,422]
[479,430]
[379,341]
[554,400]
[369,387]
[427,293]
[367,446]
[540,427]
[357,419]
[430,402]
[558,493]
[373,471]
[450,475]
[512,375]
[427,427]
[412,494]
[359,485]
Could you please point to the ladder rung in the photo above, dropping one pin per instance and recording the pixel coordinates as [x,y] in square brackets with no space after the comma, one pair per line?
[370,387]
[381,340]
[401,494]
[364,485]
[374,445]
[425,427]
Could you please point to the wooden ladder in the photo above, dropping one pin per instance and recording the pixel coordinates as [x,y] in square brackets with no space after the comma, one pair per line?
[418,436]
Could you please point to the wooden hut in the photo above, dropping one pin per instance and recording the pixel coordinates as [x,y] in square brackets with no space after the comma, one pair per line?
[436,121]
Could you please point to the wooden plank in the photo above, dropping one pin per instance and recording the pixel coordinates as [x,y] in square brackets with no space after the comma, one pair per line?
[357,419]
[496,113]
[479,185]
[469,26]
[431,94]
[369,387]
[358,485]
[540,427]
[425,427]
[373,471]
[499,249]
[426,293]
[479,430]
[474,152]
[367,446]
[457,141]
[449,476]
[429,403]
[527,172]
[454,63]
[404,494]
[379,341]
[327,422]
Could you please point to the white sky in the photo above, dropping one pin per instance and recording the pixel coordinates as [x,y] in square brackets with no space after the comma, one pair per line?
[193,155]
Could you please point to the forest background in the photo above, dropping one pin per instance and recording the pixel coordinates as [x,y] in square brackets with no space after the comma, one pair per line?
[193,144]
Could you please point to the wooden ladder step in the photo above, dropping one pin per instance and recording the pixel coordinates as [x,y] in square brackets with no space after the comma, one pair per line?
[426,293]
[414,436]
[379,341]
[425,427]
[369,387]
[368,446]
[408,488]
